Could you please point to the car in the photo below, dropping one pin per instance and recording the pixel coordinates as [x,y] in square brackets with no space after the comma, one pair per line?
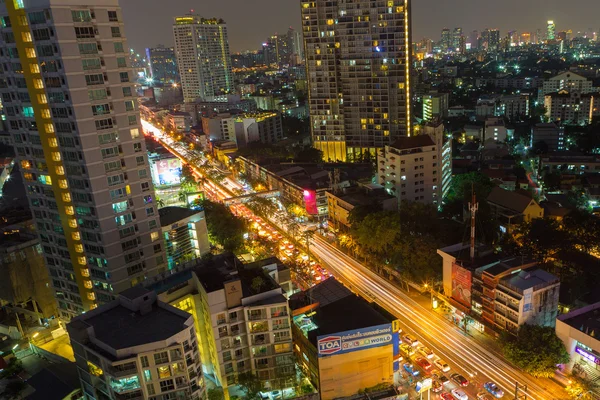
[426,352]
[410,369]
[407,349]
[440,377]
[493,389]
[410,340]
[436,386]
[484,396]
[441,364]
[423,363]
[459,394]
[446,396]
[459,379]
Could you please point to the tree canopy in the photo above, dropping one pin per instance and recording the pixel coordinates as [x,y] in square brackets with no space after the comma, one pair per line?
[224,228]
[536,350]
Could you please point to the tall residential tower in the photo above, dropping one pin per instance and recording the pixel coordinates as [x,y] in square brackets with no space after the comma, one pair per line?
[358,56]
[68,98]
[203,57]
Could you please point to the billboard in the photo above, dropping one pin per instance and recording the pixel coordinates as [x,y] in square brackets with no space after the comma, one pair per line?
[168,171]
[358,339]
[461,285]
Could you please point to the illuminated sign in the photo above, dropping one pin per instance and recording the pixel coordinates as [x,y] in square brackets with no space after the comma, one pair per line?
[461,285]
[424,385]
[359,339]
[587,355]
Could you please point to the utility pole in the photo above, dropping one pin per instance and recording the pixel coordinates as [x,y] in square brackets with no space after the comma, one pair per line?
[473,207]
[520,388]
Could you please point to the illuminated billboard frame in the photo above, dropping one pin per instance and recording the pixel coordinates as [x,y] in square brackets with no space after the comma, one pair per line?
[357,339]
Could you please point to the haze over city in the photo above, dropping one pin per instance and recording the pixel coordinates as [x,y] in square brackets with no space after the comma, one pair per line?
[250,22]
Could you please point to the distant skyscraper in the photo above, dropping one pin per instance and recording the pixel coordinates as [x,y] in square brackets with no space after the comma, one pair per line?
[551,31]
[282,48]
[75,124]
[202,50]
[474,39]
[446,39]
[297,46]
[525,38]
[491,39]
[457,38]
[163,65]
[358,69]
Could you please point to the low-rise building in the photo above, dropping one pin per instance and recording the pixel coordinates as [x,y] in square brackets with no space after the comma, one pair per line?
[549,133]
[340,354]
[501,293]
[185,234]
[137,347]
[513,208]
[242,129]
[241,316]
[341,203]
[410,169]
[435,105]
[569,107]
[571,162]
[567,80]
[178,122]
[495,129]
[578,329]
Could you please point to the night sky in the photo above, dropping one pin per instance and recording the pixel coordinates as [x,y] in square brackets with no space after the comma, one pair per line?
[149,22]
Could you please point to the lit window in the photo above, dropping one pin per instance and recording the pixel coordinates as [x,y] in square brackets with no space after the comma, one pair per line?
[69,210]
[73,223]
[38,83]
[30,52]
[66,197]
[82,261]
[135,133]
[56,156]
[53,142]
[318,63]
[62,183]
[27,37]
[35,69]
[154,236]
[76,236]
[79,248]
[46,114]
[42,99]
[60,170]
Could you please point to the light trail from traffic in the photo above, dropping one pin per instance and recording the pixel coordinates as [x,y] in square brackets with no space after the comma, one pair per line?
[431,329]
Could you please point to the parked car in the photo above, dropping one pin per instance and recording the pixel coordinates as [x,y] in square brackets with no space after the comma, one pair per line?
[458,394]
[436,386]
[442,365]
[460,380]
[493,389]
[423,363]
[446,396]
[410,340]
[426,352]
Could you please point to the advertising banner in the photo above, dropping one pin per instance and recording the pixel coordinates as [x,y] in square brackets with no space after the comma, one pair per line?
[169,171]
[461,285]
[358,339]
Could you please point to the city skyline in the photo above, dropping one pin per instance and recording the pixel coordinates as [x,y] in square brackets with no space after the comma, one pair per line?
[249,25]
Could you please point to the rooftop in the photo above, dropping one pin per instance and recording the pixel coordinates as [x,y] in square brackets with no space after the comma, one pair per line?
[515,201]
[326,292]
[120,327]
[586,319]
[412,142]
[530,278]
[170,215]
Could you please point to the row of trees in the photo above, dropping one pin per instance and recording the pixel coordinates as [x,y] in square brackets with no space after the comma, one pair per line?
[224,228]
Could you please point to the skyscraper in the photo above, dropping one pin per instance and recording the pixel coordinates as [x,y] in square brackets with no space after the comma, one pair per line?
[358,57]
[163,65]
[446,39]
[491,39]
[295,39]
[70,106]
[203,57]
[474,39]
[457,39]
[551,31]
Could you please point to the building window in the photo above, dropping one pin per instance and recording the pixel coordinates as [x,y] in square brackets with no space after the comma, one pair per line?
[164,372]
[144,361]
[115,31]
[112,16]
[161,358]
[167,385]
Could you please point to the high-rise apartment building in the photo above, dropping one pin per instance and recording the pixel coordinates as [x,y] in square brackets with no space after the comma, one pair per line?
[203,58]
[446,42]
[163,64]
[491,39]
[551,31]
[457,39]
[358,57]
[137,348]
[69,101]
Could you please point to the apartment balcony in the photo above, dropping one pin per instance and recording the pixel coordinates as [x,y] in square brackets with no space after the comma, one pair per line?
[256,317]
[123,370]
[280,327]
[130,396]
[506,303]
[260,339]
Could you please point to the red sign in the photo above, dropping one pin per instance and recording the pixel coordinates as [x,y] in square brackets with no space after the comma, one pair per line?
[330,345]
[461,285]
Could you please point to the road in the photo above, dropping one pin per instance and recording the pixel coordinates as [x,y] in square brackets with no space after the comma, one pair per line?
[446,340]
[463,353]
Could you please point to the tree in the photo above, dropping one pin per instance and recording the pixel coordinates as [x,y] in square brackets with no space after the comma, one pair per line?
[215,394]
[224,228]
[536,350]
[359,213]
[257,283]
[250,384]
[463,184]
[582,388]
[542,238]
[309,155]
[539,147]
[551,181]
